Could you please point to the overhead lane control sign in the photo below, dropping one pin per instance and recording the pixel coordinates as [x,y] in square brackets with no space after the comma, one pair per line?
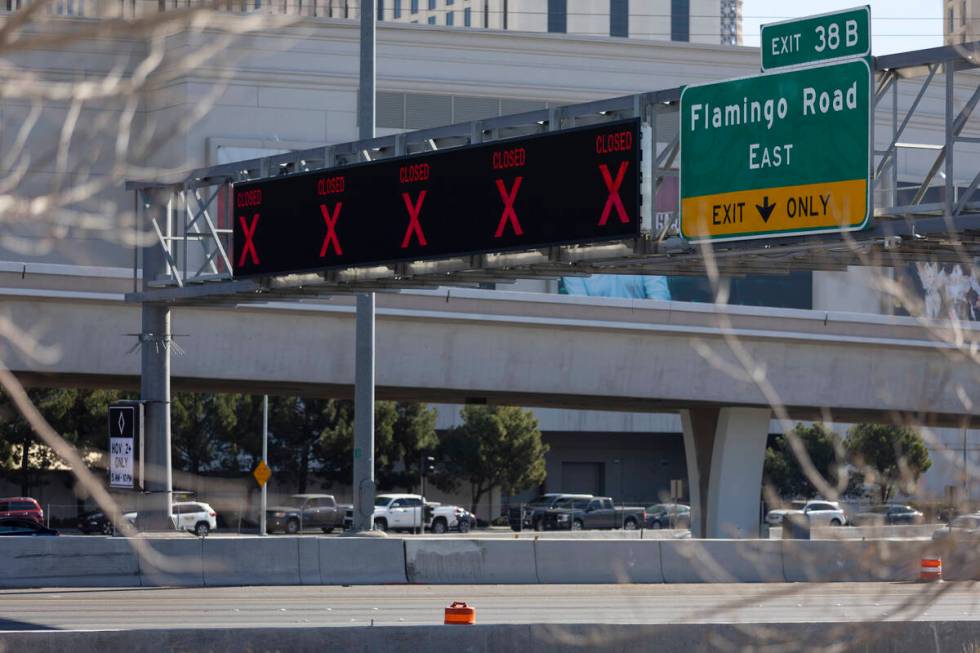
[777,155]
[574,186]
[817,39]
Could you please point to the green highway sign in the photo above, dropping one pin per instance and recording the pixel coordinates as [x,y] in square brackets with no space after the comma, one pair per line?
[778,154]
[817,39]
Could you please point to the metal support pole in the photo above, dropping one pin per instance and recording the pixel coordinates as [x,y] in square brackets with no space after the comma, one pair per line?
[364,415]
[949,201]
[365,93]
[364,488]
[263,527]
[155,392]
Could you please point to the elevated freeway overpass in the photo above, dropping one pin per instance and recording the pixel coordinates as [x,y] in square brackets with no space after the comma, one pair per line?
[464,345]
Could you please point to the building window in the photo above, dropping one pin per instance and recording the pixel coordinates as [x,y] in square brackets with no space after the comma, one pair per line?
[397,8]
[506,12]
[558,16]
[431,20]
[467,18]
[486,14]
[963,13]
[619,18]
[449,2]
[950,21]
[432,4]
[415,6]
[381,10]
[450,19]
[680,20]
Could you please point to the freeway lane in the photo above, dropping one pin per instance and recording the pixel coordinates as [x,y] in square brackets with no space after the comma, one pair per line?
[318,606]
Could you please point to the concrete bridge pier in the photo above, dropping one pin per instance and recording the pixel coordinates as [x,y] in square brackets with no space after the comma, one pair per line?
[725,449]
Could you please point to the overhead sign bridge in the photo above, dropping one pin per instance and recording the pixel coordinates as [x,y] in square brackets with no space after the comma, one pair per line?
[575,191]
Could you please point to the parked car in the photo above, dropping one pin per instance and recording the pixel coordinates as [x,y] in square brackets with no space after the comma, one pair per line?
[192,516]
[21,507]
[410,512]
[95,522]
[964,527]
[818,512]
[304,511]
[668,515]
[531,514]
[23,526]
[592,514]
[888,514]
[466,521]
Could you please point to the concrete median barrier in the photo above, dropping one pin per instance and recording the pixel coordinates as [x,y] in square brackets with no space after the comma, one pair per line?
[251,561]
[827,561]
[309,560]
[567,561]
[845,637]
[722,561]
[361,561]
[180,564]
[472,561]
[67,561]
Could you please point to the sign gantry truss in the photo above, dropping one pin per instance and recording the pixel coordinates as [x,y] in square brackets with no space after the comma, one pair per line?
[935,216]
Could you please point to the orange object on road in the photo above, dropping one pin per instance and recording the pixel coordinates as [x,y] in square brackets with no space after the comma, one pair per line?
[460,613]
[931,569]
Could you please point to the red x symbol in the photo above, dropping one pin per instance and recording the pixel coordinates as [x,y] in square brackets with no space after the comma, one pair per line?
[413,220]
[613,188]
[508,214]
[249,248]
[331,236]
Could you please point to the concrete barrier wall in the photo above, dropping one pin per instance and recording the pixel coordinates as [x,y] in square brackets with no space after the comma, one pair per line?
[182,563]
[722,561]
[361,561]
[251,561]
[567,561]
[845,637]
[470,561]
[830,561]
[67,562]
[309,561]
[189,562]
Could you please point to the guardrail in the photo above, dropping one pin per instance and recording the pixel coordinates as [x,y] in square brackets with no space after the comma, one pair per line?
[70,561]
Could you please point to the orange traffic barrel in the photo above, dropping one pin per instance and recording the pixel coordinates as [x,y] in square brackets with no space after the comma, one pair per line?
[460,613]
[931,569]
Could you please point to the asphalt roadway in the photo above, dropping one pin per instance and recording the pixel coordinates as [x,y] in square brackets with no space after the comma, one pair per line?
[319,606]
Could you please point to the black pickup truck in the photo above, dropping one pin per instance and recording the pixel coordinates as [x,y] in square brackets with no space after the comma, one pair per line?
[592,514]
[532,514]
[306,511]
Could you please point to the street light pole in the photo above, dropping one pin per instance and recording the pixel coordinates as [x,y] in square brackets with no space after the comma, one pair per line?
[364,488]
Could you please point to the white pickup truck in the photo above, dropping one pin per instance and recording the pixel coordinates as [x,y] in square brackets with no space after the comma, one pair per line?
[410,511]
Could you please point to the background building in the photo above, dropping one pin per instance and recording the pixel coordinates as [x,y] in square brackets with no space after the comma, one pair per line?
[697,21]
[961,21]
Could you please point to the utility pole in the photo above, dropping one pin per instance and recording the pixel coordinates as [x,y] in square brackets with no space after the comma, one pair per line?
[364,488]
[263,506]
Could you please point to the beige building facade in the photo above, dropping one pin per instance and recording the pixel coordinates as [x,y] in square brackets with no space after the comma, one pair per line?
[961,21]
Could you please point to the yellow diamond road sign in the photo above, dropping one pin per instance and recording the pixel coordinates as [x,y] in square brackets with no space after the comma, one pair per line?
[262,473]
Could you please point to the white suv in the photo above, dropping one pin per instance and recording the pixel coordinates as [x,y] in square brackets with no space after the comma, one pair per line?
[192,516]
[818,512]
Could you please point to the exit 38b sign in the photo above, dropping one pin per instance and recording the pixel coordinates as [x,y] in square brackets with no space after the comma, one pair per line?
[575,186]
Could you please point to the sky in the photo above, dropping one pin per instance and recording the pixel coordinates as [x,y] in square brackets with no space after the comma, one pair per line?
[896,25]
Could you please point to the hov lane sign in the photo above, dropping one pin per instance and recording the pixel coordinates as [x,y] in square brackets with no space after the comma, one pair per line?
[125,445]
[817,39]
[777,155]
